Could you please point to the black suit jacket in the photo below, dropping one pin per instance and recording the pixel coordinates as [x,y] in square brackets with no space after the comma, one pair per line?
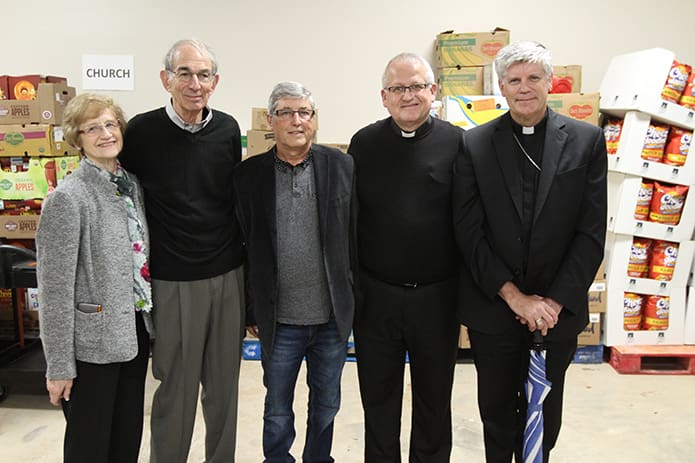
[254,182]
[569,222]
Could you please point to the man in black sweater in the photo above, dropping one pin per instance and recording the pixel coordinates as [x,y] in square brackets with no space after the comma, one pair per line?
[408,264]
[184,155]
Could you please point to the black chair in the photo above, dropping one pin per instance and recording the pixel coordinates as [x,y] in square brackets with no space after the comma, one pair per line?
[17,270]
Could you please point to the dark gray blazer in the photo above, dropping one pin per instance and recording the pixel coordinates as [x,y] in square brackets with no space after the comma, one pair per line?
[254,183]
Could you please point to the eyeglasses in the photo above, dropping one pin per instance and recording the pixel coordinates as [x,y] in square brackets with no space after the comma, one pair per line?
[288,114]
[96,129]
[184,75]
[401,89]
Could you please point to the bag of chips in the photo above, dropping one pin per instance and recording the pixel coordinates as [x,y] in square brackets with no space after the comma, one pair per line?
[638,264]
[667,203]
[655,142]
[675,82]
[656,313]
[611,130]
[677,146]
[644,199]
[663,260]
[632,311]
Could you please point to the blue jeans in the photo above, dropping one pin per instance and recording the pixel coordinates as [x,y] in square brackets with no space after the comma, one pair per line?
[325,357]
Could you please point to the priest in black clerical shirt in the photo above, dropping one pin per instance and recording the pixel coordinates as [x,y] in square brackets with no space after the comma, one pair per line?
[408,266]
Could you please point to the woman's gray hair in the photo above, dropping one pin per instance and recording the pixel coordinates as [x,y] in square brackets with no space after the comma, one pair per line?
[198,45]
[288,89]
[523,52]
[412,58]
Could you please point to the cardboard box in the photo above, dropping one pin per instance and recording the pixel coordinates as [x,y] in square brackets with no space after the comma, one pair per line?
[33,140]
[580,106]
[469,49]
[258,142]
[474,110]
[569,77]
[23,87]
[460,80]
[4,89]
[46,109]
[18,226]
[597,296]
[591,336]
[259,119]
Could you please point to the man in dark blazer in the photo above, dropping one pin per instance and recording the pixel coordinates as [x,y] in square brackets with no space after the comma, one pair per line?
[293,204]
[530,218]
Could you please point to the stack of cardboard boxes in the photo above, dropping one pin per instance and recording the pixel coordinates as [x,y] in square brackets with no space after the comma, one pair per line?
[467,81]
[33,157]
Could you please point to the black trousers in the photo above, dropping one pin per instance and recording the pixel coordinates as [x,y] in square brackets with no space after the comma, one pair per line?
[105,412]
[390,321]
[501,362]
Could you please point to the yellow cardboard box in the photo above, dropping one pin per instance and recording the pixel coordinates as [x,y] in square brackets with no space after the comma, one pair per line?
[460,80]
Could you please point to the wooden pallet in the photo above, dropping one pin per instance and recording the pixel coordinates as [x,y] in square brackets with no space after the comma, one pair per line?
[653,360]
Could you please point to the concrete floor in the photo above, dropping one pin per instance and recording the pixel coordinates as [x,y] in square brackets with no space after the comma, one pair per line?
[608,418]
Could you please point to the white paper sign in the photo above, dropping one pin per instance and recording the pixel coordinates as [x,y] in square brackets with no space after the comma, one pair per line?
[108,72]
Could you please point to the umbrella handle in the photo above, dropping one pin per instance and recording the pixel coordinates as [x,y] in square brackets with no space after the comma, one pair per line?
[537,340]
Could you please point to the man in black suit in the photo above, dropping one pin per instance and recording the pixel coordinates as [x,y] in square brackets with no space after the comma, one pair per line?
[530,219]
[293,204]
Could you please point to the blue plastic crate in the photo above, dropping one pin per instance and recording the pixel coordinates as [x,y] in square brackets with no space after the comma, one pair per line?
[588,354]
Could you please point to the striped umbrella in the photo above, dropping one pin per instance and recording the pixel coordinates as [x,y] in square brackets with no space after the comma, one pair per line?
[537,389]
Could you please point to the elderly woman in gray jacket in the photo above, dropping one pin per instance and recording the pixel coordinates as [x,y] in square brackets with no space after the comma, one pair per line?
[94,288]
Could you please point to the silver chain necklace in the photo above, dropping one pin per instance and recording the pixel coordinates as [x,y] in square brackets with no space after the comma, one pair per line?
[525,153]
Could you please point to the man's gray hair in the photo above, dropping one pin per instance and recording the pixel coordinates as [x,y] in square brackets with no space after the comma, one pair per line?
[288,89]
[412,58]
[523,52]
[204,50]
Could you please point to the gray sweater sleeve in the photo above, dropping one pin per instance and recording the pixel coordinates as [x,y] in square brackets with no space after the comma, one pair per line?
[57,245]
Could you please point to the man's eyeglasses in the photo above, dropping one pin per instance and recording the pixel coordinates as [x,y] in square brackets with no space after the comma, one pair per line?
[184,75]
[288,114]
[401,89]
[96,129]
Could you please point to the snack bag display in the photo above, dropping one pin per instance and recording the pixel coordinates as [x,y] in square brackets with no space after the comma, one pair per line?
[611,130]
[632,311]
[655,142]
[675,82]
[663,260]
[638,264]
[656,313]
[677,146]
[667,203]
[688,97]
[644,199]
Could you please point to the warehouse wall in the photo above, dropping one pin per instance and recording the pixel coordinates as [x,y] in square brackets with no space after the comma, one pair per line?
[336,48]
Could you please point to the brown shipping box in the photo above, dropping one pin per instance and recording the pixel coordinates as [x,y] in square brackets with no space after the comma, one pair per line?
[460,80]
[591,336]
[572,73]
[258,142]
[46,109]
[469,49]
[597,296]
[580,106]
[18,226]
[32,140]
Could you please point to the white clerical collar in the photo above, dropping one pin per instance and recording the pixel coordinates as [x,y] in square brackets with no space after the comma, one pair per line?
[528,130]
[405,134]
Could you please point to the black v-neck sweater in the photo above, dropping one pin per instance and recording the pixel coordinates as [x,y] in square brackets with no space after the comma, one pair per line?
[189,199]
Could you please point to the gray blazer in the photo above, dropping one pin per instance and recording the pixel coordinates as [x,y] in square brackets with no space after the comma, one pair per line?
[84,256]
